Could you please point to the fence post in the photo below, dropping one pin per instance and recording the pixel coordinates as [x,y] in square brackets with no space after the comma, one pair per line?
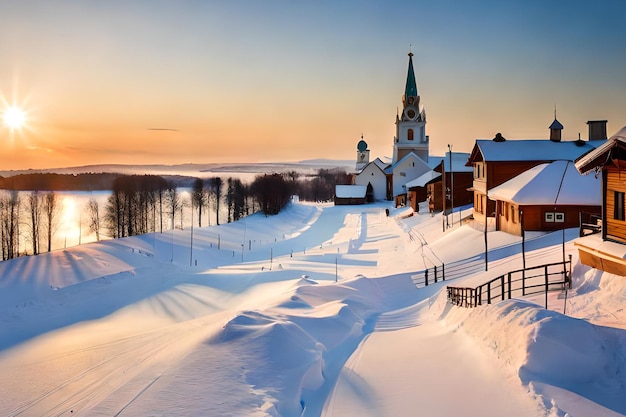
[435,274]
[489,292]
[569,275]
[443,270]
[545,271]
[509,283]
[523,282]
[502,286]
[426,277]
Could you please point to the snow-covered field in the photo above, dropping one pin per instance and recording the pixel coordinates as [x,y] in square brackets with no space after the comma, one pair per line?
[309,313]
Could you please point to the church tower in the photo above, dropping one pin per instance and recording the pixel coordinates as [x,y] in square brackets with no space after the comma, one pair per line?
[411,123]
[362,155]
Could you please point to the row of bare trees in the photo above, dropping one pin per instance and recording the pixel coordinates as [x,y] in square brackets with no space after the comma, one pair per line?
[145,203]
[148,203]
[36,214]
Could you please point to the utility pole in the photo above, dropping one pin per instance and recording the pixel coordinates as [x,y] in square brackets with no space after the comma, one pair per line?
[452,188]
[191,242]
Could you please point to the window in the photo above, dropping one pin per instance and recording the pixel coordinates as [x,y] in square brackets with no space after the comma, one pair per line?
[559,217]
[479,170]
[478,203]
[410,134]
[549,217]
[513,219]
[618,210]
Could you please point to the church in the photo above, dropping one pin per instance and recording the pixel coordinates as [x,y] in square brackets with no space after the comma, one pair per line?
[410,151]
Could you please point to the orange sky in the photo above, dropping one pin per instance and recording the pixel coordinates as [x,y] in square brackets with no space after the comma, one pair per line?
[282,81]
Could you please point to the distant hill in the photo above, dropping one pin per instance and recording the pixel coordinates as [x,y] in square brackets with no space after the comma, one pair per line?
[101,177]
[193,170]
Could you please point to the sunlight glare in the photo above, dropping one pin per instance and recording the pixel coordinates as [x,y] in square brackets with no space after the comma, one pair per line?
[69,223]
[14,117]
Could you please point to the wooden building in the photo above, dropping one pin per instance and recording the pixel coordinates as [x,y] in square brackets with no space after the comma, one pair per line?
[457,176]
[545,198]
[607,251]
[498,160]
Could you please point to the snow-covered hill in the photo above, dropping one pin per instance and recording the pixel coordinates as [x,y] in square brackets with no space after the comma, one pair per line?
[309,313]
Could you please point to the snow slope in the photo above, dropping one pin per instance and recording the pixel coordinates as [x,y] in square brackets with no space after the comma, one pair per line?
[311,312]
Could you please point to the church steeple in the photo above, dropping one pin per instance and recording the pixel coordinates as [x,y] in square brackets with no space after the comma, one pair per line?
[411,85]
[411,122]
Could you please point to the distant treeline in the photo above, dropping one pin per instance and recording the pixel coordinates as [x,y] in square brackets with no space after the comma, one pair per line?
[72,182]
[59,182]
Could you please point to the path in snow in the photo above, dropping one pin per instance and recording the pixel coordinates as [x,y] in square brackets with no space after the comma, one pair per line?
[391,374]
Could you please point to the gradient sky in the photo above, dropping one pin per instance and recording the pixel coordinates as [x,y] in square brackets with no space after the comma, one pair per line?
[170,82]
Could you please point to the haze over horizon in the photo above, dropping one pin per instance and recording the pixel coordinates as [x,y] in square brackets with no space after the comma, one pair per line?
[201,82]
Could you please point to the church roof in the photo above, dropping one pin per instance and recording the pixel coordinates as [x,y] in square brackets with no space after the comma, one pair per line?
[411,85]
[376,163]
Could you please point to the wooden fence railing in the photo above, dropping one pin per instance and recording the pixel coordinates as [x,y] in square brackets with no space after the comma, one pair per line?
[429,276]
[519,283]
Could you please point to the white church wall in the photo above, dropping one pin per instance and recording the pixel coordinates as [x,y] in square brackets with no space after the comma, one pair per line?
[372,174]
[407,169]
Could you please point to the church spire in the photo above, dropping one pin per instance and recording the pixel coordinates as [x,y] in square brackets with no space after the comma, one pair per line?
[411,86]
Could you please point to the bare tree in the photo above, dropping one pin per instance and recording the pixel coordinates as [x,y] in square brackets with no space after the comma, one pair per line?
[50,209]
[172,202]
[93,211]
[198,198]
[10,219]
[33,208]
[216,188]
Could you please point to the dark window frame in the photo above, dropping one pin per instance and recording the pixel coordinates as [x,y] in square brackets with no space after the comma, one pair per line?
[618,205]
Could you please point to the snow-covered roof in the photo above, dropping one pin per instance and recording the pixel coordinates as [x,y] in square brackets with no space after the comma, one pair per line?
[459,162]
[423,179]
[531,150]
[408,156]
[597,157]
[380,164]
[555,183]
[377,163]
[350,191]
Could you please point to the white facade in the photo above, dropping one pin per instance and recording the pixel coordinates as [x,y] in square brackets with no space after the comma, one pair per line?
[373,174]
[407,169]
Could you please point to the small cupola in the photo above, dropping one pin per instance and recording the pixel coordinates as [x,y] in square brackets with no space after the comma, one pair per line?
[555,131]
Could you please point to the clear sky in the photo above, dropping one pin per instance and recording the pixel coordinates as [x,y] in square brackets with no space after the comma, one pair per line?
[181,81]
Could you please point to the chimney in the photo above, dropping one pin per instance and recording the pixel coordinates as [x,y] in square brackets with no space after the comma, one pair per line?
[499,137]
[597,129]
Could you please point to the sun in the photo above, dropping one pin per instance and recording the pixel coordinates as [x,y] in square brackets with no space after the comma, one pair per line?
[14,117]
